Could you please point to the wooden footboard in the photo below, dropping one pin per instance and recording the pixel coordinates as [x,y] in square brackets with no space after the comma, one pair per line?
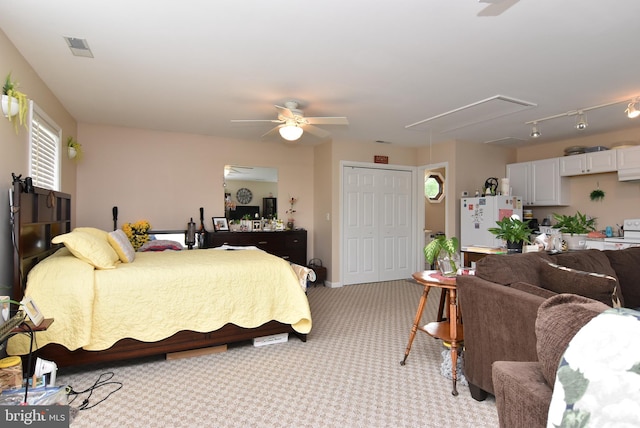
[181,341]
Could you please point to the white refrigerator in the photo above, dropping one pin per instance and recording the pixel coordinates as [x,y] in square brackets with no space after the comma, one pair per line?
[480,213]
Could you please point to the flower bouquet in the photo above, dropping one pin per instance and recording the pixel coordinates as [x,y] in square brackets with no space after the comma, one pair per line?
[138,232]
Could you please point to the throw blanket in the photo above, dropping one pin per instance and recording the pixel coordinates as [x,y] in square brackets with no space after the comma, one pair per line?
[598,379]
[160,294]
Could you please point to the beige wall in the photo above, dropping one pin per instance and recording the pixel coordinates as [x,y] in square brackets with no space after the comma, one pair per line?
[622,199]
[14,147]
[166,177]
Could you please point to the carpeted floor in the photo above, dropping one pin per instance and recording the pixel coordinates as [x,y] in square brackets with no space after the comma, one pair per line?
[348,374]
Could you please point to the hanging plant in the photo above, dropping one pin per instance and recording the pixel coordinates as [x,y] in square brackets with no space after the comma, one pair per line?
[74,149]
[11,94]
[597,195]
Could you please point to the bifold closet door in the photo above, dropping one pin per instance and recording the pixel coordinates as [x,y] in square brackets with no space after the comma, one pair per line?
[376,224]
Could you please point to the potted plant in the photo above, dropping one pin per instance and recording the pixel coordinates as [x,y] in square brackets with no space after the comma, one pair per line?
[574,228]
[513,231]
[14,103]
[74,149]
[445,251]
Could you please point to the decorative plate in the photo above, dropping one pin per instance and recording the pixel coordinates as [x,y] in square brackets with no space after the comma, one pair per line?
[244,195]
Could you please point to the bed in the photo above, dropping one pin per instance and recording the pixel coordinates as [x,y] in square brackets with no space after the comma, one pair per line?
[161,302]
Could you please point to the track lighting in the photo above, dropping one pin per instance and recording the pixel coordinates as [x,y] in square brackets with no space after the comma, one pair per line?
[631,110]
[535,133]
[290,132]
[581,124]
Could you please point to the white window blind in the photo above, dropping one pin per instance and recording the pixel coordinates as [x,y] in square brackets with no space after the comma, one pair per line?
[44,150]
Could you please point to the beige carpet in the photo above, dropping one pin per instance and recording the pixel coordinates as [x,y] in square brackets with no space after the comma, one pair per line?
[348,374]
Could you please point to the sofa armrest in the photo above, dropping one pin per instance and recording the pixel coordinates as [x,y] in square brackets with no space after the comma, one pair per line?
[499,325]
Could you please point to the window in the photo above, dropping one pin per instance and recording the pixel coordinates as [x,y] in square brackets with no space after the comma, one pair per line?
[434,187]
[44,149]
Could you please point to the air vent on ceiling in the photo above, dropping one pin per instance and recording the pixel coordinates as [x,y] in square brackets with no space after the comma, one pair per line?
[472,114]
[79,47]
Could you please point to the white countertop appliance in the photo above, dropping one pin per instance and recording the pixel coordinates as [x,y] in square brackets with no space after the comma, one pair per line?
[630,236]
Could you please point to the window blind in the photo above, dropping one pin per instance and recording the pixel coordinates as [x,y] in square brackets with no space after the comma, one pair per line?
[44,151]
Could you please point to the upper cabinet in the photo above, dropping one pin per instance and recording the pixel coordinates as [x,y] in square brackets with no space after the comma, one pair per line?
[588,163]
[539,182]
[629,158]
[629,164]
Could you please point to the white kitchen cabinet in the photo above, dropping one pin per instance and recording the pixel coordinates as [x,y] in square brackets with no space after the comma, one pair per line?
[628,158]
[588,163]
[539,182]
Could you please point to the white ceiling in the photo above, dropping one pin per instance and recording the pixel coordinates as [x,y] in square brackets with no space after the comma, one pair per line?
[193,65]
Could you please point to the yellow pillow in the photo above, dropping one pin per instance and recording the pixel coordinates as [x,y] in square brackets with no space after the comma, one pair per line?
[89,248]
[98,233]
[122,246]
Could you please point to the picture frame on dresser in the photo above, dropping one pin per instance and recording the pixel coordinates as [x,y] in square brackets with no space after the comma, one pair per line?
[220,224]
[257,225]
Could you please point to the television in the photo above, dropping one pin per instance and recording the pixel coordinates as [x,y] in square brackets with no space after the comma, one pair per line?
[242,210]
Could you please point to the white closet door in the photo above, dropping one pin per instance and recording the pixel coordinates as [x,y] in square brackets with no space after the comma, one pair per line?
[395,225]
[377,225]
[360,220]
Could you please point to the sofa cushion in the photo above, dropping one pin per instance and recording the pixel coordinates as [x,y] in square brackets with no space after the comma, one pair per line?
[562,279]
[533,289]
[559,319]
[625,263]
[506,270]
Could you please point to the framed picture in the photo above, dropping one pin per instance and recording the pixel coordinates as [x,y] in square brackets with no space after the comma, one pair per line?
[257,224]
[220,224]
[32,310]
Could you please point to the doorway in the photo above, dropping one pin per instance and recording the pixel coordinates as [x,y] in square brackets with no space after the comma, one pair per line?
[433,208]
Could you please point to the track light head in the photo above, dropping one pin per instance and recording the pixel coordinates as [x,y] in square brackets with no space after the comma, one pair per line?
[535,133]
[581,124]
[631,110]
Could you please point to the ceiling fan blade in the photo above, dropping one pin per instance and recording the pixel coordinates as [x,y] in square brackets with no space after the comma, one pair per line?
[327,120]
[272,132]
[315,131]
[283,111]
[255,120]
[496,7]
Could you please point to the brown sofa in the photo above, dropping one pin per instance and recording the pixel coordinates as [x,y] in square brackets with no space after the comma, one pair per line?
[500,303]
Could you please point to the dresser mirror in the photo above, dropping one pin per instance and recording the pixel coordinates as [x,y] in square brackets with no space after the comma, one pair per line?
[250,190]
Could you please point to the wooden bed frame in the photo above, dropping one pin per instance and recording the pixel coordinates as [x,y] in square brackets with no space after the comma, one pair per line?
[43,214]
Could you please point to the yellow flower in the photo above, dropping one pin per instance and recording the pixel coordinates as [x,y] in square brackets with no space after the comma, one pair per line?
[138,232]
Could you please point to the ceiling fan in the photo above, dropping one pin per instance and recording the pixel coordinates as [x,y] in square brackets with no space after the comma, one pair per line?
[292,123]
[496,7]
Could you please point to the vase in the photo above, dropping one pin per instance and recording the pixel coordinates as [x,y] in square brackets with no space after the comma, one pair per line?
[71,152]
[514,247]
[290,225]
[448,263]
[9,109]
[575,241]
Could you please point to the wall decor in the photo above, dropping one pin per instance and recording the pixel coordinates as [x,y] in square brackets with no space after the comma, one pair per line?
[380,159]
[244,195]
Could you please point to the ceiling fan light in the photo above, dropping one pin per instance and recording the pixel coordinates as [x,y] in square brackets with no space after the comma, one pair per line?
[631,110]
[290,132]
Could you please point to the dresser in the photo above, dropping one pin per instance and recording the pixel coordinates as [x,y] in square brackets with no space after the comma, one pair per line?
[288,244]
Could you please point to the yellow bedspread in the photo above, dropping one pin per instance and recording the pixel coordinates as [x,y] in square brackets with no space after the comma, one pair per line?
[161,293]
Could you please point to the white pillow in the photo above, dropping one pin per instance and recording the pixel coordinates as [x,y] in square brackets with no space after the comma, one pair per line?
[121,244]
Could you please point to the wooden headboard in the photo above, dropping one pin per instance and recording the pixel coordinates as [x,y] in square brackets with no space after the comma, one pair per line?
[37,217]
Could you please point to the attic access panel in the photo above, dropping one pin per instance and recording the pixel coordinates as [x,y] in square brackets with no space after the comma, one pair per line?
[472,114]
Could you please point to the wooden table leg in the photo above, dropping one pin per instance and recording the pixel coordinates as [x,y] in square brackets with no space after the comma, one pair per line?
[416,323]
[453,330]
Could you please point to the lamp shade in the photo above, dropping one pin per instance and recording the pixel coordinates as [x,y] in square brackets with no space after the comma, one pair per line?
[291,132]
